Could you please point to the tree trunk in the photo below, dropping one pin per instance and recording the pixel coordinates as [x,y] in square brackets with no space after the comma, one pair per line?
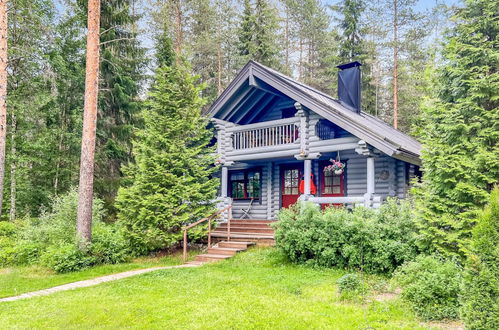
[85,189]
[13,171]
[3,93]
[395,65]
[178,30]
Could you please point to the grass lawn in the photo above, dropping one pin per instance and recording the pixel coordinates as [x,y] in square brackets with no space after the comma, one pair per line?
[255,290]
[17,280]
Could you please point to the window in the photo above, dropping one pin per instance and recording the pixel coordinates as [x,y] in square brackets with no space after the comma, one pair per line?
[332,184]
[245,184]
[288,113]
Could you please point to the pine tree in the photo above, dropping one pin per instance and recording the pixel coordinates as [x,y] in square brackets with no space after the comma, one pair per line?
[316,49]
[86,183]
[170,183]
[460,131]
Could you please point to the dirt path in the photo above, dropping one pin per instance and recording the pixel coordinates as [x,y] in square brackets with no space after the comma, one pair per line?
[92,282]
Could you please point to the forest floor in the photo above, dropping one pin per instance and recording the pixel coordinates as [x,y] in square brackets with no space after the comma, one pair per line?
[255,289]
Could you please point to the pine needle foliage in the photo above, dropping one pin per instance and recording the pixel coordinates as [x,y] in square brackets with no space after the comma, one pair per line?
[169,185]
[460,132]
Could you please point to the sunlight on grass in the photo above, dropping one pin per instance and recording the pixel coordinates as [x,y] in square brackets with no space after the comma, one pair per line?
[256,289]
[17,280]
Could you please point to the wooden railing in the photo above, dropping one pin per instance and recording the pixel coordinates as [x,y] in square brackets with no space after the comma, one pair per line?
[277,134]
[209,219]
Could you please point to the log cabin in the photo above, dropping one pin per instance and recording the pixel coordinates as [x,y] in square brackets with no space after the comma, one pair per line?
[277,139]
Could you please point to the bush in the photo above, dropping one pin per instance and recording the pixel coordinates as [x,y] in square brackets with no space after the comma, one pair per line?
[431,286]
[108,244]
[7,229]
[66,258]
[377,241]
[50,239]
[480,308]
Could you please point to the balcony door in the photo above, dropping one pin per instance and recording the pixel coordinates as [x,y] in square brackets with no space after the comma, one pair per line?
[290,183]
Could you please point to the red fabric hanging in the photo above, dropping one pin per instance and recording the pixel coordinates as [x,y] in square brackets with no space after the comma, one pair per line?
[313,189]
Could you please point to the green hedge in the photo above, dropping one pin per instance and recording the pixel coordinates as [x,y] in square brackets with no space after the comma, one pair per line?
[376,241]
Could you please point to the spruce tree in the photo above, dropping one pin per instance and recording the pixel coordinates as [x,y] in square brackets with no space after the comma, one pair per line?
[460,131]
[354,47]
[257,34]
[169,185]
[480,294]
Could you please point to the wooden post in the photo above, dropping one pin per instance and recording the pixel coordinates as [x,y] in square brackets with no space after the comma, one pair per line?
[370,180]
[185,245]
[228,229]
[224,181]
[307,169]
[209,232]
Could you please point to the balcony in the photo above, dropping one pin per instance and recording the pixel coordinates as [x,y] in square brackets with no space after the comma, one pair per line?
[245,137]
[266,139]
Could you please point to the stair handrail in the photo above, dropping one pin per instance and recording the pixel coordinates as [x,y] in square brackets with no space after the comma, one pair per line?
[209,218]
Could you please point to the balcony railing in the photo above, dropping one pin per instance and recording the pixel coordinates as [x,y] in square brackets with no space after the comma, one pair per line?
[246,137]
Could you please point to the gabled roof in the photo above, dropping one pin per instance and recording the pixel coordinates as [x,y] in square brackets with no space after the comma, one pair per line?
[363,125]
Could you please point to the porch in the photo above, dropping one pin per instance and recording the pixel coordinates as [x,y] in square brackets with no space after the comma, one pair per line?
[258,189]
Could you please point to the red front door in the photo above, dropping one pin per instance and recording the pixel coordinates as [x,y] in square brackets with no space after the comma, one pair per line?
[332,185]
[290,183]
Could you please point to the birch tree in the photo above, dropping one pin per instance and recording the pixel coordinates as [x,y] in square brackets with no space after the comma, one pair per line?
[84,215]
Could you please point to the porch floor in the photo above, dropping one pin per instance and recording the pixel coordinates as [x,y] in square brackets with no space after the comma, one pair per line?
[249,230]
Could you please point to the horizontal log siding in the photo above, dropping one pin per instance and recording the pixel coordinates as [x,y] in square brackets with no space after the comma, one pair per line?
[276,112]
[258,210]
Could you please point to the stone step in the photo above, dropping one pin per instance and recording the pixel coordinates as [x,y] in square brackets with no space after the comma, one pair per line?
[235,245]
[222,250]
[211,257]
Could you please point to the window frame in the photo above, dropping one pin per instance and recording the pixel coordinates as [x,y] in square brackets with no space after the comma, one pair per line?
[245,182]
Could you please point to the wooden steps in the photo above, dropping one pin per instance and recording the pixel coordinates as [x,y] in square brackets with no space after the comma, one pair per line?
[243,233]
[221,251]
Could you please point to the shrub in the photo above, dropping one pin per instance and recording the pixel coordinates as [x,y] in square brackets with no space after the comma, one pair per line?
[27,253]
[431,286]
[66,258]
[350,283]
[7,229]
[377,241]
[108,244]
[480,292]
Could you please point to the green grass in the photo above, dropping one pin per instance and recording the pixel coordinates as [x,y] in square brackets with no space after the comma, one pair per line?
[254,290]
[17,280]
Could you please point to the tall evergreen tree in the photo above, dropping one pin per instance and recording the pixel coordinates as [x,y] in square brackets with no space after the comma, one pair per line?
[257,34]
[353,46]
[315,49]
[86,183]
[169,183]
[29,141]
[461,131]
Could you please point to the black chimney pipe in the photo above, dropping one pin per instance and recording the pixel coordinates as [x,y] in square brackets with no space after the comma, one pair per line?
[349,85]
